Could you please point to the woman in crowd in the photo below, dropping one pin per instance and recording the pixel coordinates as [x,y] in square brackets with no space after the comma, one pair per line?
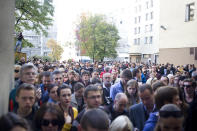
[132,92]
[70,113]
[49,117]
[170,118]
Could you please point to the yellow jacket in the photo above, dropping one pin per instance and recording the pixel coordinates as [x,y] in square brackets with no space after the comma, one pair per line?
[67,127]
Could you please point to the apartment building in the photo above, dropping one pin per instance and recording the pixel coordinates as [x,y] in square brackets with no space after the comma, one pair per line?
[178,29]
[144,32]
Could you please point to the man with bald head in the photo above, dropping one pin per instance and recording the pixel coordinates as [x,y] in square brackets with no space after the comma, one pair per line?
[119,106]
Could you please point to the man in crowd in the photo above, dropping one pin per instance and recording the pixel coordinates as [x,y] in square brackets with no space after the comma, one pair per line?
[163,95]
[77,100]
[28,74]
[189,90]
[92,97]
[139,113]
[121,86]
[107,79]
[86,78]
[119,107]
[46,81]
[71,79]
[95,120]
[57,77]
[25,97]
[95,74]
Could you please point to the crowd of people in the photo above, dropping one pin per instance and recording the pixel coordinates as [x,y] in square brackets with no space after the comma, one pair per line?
[101,96]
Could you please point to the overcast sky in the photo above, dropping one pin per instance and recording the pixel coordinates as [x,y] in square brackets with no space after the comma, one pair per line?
[67,12]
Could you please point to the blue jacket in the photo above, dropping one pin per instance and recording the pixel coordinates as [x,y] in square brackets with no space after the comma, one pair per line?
[143,77]
[116,88]
[137,115]
[151,122]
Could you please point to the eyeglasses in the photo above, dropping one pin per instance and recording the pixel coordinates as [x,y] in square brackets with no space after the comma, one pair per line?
[167,114]
[16,71]
[45,122]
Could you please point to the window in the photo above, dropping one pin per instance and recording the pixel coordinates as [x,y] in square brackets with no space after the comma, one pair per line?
[151,15]
[146,56]
[138,30]
[146,28]
[191,51]
[151,3]
[146,16]
[135,30]
[138,41]
[147,5]
[135,20]
[136,9]
[151,40]
[189,13]
[139,17]
[151,27]
[135,41]
[139,8]
[146,40]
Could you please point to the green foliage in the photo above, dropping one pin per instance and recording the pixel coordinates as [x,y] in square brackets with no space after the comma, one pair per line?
[57,50]
[98,37]
[33,15]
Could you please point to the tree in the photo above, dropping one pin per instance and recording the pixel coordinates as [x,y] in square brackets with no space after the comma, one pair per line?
[33,15]
[57,50]
[97,36]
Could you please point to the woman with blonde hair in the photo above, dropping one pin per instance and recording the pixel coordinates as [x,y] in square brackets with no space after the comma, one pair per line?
[121,123]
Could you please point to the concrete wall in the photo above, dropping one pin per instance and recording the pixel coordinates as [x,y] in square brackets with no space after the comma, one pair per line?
[178,33]
[6,51]
[176,56]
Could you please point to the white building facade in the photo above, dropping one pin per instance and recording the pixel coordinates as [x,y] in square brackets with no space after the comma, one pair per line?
[178,29]
[144,31]
[120,17]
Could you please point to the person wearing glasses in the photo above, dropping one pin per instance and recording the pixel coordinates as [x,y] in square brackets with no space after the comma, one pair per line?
[93,99]
[170,118]
[16,72]
[49,118]
[189,90]
[27,74]
[70,113]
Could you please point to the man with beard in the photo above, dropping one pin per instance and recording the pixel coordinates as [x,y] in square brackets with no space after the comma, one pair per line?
[25,97]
